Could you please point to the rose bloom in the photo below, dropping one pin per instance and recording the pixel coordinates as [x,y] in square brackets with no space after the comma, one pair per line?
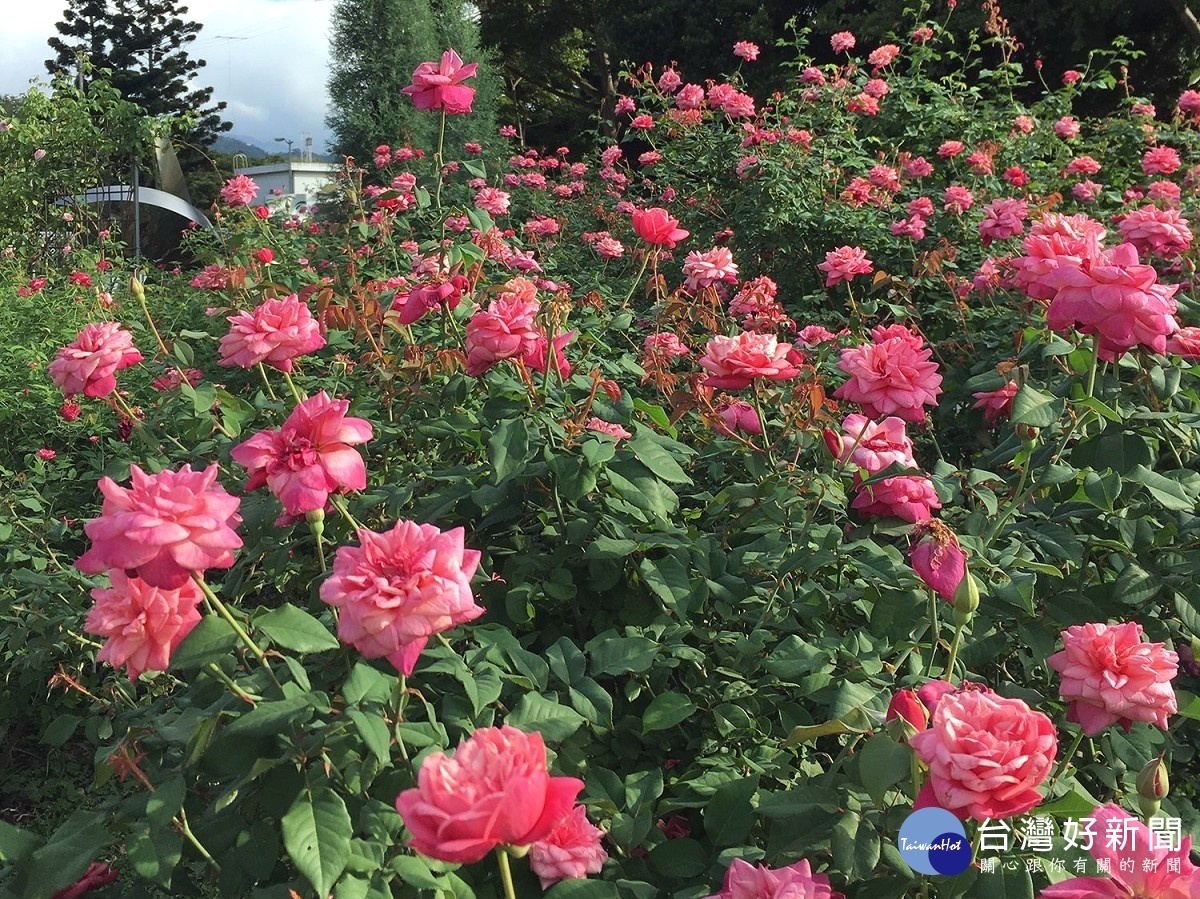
[143,624]
[987,755]
[842,41]
[1002,219]
[665,345]
[1110,676]
[937,558]
[600,426]
[239,191]
[894,376]
[1139,865]
[737,416]
[690,97]
[734,362]
[438,86]
[90,362]
[164,527]
[1066,127]
[495,791]
[746,881]
[912,227]
[980,163]
[1115,299]
[1053,242]
[492,200]
[1016,176]
[746,50]
[308,458]
[812,335]
[950,148]
[397,589]
[274,333]
[883,56]
[708,268]
[418,301]
[1086,191]
[505,330]
[669,81]
[1154,231]
[919,167]
[907,497]
[1164,191]
[1070,76]
[872,446]
[845,264]
[1186,343]
[905,704]
[996,404]
[656,227]
[571,850]
[958,199]
[535,357]
[1161,161]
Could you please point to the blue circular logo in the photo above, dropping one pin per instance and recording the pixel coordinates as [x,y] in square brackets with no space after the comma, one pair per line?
[932,841]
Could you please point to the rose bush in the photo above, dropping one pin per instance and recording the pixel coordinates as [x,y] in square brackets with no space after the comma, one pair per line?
[690,527]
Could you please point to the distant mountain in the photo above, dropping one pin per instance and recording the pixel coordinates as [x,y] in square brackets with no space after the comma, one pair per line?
[228,144]
[250,146]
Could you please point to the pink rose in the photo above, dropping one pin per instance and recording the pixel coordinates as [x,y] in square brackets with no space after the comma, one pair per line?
[164,527]
[845,264]
[310,457]
[871,446]
[1002,219]
[443,293]
[907,497]
[239,191]
[273,333]
[1109,676]
[571,850]
[708,268]
[397,589]
[89,363]
[143,624]
[893,376]
[665,346]
[1161,161]
[1115,299]
[842,41]
[1186,343]
[937,558]
[495,791]
[746,50]
[746,881]
[535,356]
[738,416]
[600,426]
[987,755]
[734,362]
[1161,232]
[1137,865]
[492,200]
[656,227]
[996,404]
[1054,242]
[438,85]
[505,330]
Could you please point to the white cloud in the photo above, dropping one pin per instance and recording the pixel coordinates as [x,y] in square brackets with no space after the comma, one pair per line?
[267,59]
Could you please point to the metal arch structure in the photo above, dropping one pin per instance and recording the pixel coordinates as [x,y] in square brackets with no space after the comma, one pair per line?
[123,193]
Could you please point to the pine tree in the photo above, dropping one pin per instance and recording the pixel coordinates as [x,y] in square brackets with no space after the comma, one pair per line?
[376,44]
[143,42]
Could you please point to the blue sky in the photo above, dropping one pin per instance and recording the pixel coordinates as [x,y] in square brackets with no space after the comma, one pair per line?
[268,59]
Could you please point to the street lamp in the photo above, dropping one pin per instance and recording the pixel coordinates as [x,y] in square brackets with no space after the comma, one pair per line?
[291,174]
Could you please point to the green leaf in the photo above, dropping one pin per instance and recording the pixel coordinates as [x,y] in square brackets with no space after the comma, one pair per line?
[1170,493]
[729,815]
[666,710]
[374,732]
[508,448]
[609,654]
[60,730]
[667,579]
[646,447]
[155,851]
[294,629]
[15,843]
[414,871]
[63,858]
[1035,408]
[554,721]
[882,764]
[1189,705]
[679,859]
[582,889]
[210,640]
[316,834]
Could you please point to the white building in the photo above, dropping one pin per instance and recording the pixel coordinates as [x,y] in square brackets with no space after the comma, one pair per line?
[294,181]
